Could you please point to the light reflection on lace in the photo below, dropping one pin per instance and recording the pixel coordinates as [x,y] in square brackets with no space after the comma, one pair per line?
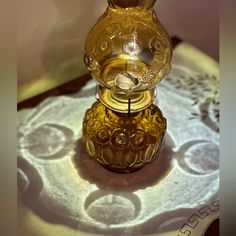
[70,187]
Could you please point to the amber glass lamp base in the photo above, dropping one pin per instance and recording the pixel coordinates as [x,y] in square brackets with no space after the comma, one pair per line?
[121,142]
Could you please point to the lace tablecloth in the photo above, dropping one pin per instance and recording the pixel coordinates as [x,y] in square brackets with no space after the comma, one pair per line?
[63,192]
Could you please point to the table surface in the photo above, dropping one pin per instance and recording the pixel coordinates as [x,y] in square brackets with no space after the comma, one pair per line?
[76,85]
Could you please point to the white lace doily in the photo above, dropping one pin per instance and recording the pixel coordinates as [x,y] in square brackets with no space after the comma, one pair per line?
[61,184]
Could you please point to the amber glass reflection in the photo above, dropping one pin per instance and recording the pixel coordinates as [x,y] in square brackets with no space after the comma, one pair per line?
[120,142]
[128,51]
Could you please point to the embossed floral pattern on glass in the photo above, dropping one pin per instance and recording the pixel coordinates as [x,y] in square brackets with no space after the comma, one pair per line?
[128,52]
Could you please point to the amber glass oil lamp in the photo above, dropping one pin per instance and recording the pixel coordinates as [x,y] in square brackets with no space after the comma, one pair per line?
[128,52]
